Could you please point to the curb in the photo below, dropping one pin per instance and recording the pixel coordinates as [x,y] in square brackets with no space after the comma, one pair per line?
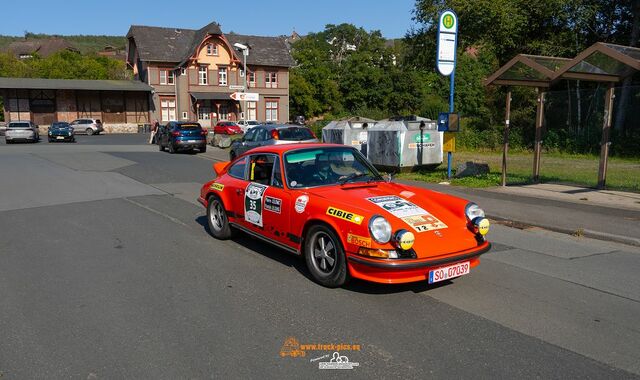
[586,233]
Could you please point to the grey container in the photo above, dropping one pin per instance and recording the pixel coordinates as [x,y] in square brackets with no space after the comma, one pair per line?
[405,145]
[351,131]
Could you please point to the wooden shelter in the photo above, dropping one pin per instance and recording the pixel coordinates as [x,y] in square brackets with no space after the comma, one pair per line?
[601,62]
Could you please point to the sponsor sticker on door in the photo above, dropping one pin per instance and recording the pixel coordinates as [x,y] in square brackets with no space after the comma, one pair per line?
[253,195]
[273,204]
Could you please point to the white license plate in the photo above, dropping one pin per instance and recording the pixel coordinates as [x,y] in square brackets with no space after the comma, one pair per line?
[60,138]
[451,271]
[191,140]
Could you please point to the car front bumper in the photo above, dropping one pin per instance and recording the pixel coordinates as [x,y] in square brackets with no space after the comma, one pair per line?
[397,271]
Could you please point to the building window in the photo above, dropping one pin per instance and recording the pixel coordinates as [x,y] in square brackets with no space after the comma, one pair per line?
[204,113]
[241,73]
[212,49]
[202,75]
[271,80]
[224,112]
[251,111]
[185,116]
[167,77]
[222,76]
[271,107]
[168,109]
[183,71]
[251,79]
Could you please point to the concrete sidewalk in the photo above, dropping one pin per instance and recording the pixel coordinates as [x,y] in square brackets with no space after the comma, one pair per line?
[605,215]
[599,214]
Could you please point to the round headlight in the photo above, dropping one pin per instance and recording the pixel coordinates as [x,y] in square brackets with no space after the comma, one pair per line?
[404,239]
[473,211]
[380,229]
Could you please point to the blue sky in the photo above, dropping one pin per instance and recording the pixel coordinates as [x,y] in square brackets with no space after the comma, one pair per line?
[274,17]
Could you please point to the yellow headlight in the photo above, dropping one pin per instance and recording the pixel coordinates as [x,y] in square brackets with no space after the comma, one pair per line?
[483,226]
[404,239]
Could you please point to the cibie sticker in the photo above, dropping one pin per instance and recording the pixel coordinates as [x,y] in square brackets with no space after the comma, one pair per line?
[345,215]
[359,240]
[301,203]
[217,186]
[253,203]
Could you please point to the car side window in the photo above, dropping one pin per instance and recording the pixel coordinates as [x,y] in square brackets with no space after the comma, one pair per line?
[238,168]
[276,181]
[261,135]
[250,135]
[261,168]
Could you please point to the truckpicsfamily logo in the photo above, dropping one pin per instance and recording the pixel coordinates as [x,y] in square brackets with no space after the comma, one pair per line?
[345,215]
[293,349]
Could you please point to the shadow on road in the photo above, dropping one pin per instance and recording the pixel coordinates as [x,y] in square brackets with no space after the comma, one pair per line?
[296,262]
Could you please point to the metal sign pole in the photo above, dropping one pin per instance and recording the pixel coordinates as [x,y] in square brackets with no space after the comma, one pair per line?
[446,59]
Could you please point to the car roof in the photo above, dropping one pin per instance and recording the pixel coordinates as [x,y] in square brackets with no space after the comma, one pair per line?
[283,148]
[270,127]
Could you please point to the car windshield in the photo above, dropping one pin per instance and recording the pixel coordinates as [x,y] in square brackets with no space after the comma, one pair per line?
[327,166]
[18,125]
[59,125]
[295,134]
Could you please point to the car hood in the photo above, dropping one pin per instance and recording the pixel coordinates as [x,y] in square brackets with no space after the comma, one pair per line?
[437,220]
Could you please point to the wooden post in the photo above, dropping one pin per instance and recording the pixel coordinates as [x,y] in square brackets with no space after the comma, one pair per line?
[505,147]
[605,143]
[537,147]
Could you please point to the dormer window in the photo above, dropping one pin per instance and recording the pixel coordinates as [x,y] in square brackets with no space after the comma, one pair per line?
[212,49]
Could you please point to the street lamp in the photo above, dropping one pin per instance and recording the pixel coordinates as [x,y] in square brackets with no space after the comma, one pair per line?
[245,53]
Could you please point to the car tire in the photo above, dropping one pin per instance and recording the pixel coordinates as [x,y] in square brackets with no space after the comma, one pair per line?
[172,149]
[50,140]
[89,132]
[217,219]
[160,146]
[325,257]
[203,149]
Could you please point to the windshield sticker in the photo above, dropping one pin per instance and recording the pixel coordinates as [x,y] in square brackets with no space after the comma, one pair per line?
[423,223]
[273,204]
[301,203]
[253,195]
[345,215]
[217,186]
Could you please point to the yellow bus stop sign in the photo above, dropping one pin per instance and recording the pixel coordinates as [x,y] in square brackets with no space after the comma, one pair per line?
[449,144]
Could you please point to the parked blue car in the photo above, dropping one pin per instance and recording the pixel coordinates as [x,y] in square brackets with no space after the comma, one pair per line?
[182,135]
[61,131]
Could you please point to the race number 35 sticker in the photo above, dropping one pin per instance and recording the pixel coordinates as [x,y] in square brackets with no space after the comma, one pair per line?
[253,195]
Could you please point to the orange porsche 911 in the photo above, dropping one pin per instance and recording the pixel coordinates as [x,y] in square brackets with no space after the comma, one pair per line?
[329,204]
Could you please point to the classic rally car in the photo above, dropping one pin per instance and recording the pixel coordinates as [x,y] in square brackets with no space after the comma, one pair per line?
[329,204]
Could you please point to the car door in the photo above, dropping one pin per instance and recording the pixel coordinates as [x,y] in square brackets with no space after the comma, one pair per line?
[277,208]
[248,142]
[235,185]
[265,199]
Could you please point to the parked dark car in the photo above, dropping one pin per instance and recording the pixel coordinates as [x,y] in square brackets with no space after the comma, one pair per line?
[182,135]
[227,128]
[21,131]
[61,131]
[271,134]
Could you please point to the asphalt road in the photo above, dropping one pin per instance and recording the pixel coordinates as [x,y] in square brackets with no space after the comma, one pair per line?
[107,271]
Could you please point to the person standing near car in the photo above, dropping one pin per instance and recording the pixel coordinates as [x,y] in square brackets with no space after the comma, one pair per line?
[154,130]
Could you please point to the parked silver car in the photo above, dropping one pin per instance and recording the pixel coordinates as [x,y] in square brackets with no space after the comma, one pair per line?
[271,134]
[88,126]
[21,131]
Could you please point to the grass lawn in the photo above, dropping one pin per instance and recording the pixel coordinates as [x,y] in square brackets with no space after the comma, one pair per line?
[622,174]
